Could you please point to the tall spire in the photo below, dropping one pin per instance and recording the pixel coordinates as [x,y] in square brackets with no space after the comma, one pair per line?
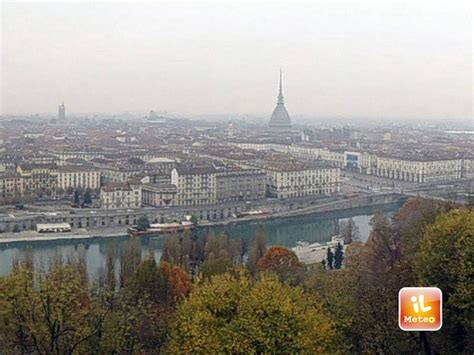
[280,92]
[280,118]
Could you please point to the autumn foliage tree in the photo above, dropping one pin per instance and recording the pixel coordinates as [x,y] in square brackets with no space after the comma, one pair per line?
[52,313]
[283,262]
[257,250]
[231,314]
[281,307]
[349,231]
[446,260]
[140,323]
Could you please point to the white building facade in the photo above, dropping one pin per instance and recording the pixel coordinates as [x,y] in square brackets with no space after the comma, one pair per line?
[117,195]
[195,185]
[77,177]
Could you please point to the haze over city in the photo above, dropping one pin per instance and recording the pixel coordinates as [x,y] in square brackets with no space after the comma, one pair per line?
[393,60]
[245,178]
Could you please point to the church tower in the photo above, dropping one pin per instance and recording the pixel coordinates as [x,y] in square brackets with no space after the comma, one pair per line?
[62,112]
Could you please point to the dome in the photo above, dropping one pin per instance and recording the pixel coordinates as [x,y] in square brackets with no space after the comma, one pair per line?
[280,117]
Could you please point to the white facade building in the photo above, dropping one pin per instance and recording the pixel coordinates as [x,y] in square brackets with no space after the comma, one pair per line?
[78,177]
[120,195]
[421,171]
[195,185]
[296,179]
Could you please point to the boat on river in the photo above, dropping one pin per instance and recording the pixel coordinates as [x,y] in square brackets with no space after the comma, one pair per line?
[161,228]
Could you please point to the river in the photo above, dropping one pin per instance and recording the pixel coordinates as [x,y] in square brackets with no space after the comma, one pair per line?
[283,231]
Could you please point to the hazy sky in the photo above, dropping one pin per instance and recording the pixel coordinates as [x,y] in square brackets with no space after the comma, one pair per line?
[407,59]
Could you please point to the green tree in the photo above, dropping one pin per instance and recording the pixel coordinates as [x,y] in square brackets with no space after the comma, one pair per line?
[338,256]
[446,260]
[334,290]
[258,249]
[194,219]
[143,223]
[77,198]
[87,198]
[330,258]
[215,267]
[230,314]
[147,282]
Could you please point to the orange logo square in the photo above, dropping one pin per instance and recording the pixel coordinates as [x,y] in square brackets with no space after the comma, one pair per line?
[420,308]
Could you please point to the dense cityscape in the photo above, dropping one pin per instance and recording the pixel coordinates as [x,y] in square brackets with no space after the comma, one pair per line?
[64,169]
[240,178]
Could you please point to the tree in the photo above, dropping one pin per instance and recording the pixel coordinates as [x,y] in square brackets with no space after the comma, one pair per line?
[167,285]
[143,223]
[77,198]
[178,283]
[382,239]
[182,250]
[230,314]
[411,220]
[283,262]
[130,258]
[376,277]
[147,282]
[221,246]
[330,258]
[48,313]
[338,256]
[334,290]
[213,267]
[110,255]
[144,308]
[445,260]
[257,250]
[349,231]
[194,220]
[87,198]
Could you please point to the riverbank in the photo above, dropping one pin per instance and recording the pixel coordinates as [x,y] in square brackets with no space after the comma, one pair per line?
[82,233]
[340,205]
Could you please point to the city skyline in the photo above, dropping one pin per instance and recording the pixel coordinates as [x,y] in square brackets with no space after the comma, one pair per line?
[395,61]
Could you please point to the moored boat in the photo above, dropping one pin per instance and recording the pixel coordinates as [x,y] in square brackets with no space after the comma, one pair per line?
[161,228]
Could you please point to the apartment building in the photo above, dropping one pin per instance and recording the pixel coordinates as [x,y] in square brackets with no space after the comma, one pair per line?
[237,184]
[78,177]
[419,169]
[159,195]
[39,178]
[11,185]
[195,185]
[289,179]
[116,195]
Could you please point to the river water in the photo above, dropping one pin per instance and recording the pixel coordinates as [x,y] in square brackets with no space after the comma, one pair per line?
[284,231]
